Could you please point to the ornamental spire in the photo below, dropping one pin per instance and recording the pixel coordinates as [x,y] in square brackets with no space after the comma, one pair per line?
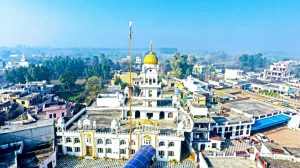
[151,46]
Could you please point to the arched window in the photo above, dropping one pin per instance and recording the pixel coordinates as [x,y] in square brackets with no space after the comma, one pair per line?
[108,141]
[68,140]
[76,140]
[99,141]
[171,144]
[132,142]
[170,115]
[161,143]
[122,142]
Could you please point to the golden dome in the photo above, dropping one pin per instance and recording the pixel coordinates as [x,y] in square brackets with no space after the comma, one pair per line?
[150,58]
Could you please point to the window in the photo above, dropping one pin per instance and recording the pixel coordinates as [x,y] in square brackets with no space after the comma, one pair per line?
[62,114]
[161,153]
[122,151]
[100,150]
[171,153]
[77,149]
[132,142]
[132,151]
[50,115]
[237,127]
[214,145]
[88,139]
[147,142]
[108,141]
[54,115]
[99,141]
[108,150]
[68,140]
[171,144]
[69,149]
[161,143]
[76,140]
[170,115]
[23,102]
[122,142]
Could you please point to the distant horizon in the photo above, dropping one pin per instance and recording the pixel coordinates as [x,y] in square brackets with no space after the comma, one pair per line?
[230,26]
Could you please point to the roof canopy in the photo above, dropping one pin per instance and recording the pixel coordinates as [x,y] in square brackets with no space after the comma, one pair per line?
[141,158]
[270,121]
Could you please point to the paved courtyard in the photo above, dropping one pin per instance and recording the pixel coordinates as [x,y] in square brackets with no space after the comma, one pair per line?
[284,137]
[63,162]
[222,162]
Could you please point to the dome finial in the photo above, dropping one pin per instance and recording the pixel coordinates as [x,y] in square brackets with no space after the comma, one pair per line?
[151,46]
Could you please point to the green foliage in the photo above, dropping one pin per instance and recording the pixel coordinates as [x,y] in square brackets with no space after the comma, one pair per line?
[59,65]
[93,87]
[27,74]
[252,62]
[296,71]
[123,85]
[167,67]
[117,81]
[181,67]
[68,78]
[136,90]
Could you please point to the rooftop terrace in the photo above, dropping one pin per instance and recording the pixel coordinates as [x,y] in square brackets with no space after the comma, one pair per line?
[252,107]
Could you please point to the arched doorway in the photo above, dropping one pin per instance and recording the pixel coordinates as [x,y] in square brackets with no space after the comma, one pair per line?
[137,114]
[161,115]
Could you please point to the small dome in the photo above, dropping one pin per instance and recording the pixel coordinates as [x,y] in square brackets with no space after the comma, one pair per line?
[151,59]
[114,124]
[86,122]
[61,121]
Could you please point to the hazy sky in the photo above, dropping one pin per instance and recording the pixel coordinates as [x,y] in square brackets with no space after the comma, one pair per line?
[236,25]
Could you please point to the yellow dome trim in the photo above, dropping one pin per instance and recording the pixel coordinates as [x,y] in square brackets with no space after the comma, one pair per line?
[138,123]
[147,137]
[87,135]
[156,124]
[147,122]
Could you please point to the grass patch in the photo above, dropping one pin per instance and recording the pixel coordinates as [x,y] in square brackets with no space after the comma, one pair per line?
[70,96]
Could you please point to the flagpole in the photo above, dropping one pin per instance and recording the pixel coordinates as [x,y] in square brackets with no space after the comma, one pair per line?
[130,88]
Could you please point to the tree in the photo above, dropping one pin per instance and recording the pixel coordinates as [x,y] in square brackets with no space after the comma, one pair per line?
[68,79]
[181,67]
[167,67]
[117,81]
[252,62]
[93,87]
[296,70]
[136,90]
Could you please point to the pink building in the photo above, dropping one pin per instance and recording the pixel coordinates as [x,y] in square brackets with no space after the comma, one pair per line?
[56,110]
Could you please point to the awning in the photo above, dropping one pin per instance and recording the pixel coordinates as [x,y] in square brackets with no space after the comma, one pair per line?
[270,121]
[141,158]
